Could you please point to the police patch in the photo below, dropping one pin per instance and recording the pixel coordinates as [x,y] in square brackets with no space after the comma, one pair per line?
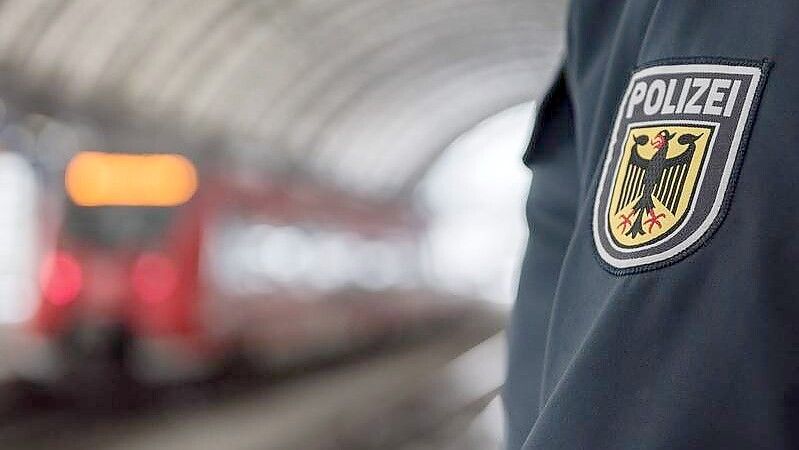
[676,146]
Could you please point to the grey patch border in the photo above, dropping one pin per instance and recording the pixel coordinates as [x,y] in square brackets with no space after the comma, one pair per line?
[759,72]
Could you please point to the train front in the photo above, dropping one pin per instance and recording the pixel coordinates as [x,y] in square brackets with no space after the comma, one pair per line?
[119,281]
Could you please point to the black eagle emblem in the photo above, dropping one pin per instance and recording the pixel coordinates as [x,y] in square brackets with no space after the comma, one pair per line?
[658,177]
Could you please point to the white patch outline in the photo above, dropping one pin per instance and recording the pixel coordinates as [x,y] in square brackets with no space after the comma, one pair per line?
[746,110]
[699,181]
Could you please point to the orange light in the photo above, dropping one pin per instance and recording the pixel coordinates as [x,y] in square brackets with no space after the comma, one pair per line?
[121,179]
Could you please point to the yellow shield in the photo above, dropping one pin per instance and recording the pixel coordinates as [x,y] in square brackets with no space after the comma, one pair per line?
[656,181]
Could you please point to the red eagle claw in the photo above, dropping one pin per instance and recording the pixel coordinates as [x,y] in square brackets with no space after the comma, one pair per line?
[625,222]
[654,219]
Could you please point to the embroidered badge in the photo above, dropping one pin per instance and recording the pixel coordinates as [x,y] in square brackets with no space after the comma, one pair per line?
[675,149]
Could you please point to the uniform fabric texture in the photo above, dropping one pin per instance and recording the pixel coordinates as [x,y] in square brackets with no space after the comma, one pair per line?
[699,354]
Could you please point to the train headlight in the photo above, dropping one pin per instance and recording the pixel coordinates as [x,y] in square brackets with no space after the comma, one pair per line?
[154,277]
[61,278]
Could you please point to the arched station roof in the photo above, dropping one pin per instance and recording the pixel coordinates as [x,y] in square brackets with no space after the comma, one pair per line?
[363,93]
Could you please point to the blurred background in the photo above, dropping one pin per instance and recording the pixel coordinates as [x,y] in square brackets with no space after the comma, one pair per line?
[262,224]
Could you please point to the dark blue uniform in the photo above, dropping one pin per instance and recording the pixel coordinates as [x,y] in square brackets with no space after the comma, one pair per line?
[659,300]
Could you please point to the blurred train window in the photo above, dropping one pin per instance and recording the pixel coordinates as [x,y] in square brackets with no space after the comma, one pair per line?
[251,255]
[476,193]
[117,226]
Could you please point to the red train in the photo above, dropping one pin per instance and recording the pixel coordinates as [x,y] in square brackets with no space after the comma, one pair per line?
[160,276]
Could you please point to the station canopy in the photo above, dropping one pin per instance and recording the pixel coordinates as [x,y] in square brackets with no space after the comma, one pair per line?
[361,93]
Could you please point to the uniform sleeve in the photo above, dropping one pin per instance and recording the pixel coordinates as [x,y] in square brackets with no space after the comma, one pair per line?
[551,210]
[686,340]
